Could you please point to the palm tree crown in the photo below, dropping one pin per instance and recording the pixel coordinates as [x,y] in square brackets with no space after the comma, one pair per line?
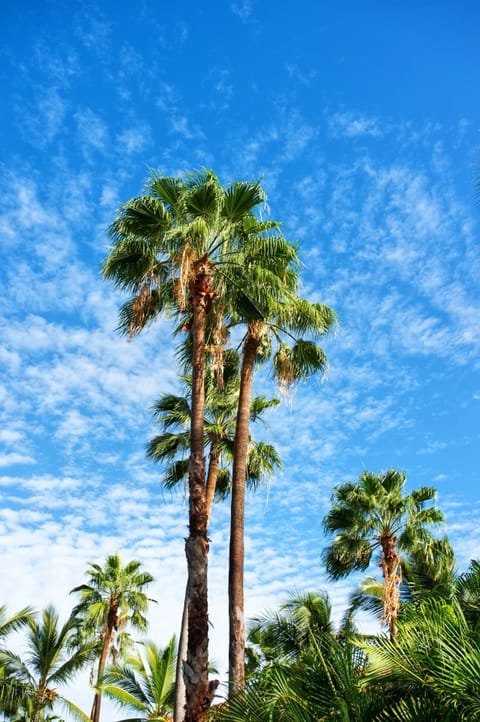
[55,655]
[374,515]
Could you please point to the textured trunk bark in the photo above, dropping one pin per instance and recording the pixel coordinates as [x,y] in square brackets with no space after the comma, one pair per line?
[180,697]
[391,580]
[180,694]
[236,669]
[198,691]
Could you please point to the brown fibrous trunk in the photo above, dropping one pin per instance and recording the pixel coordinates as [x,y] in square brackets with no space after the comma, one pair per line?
[199,692]
[392,578]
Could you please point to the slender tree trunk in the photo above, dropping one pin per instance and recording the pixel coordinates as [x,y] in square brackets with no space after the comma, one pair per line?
[236,670]
[39,701]
[198,690]
[212,477]
[107,638]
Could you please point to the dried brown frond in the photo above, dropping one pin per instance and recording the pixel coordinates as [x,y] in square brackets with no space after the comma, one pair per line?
[284,370]
[142,307]
[217,348]
[185,276]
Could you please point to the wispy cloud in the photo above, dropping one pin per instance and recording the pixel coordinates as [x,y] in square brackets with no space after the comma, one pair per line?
[243,9]
[348,124]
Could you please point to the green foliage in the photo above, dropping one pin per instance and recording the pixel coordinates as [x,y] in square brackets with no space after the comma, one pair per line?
[144,684]
[55,655]
[173,413]
[431,671]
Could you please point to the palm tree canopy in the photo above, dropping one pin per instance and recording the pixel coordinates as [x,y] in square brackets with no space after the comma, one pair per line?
[364,514]
[160,238]
[431,671]
[288,633]
[114,589]
[173,413]
[54,656]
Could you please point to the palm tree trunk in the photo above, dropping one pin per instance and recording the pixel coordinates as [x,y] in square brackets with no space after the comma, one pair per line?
[198,693]
[180,693]
[391,582]
[39,701]
[179,704]
[236,669]
[212,477]
[107,638]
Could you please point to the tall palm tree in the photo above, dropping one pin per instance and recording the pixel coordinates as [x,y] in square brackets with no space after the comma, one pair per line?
[174,413]
[113,599]
[179,247]
[282,322]
[54,657]
[144,684]
[375,515]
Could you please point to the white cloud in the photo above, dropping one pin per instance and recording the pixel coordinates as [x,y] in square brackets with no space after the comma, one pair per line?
[15,458]
[93,133]
[242,9]
[135,139]
[353,125]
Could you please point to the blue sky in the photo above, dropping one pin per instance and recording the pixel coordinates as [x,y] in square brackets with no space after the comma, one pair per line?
[362,121]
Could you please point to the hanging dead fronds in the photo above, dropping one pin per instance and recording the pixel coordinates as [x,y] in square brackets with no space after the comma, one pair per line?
[185,275]
[142,306]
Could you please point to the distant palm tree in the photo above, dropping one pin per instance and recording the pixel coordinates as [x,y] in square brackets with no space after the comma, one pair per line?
[113,599]
[144,684]
[54,657]
[304,619]
[375,514]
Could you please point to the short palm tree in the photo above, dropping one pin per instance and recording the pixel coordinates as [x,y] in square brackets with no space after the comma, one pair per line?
[113,599]
[375,515]
[144,684]
[54,656]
